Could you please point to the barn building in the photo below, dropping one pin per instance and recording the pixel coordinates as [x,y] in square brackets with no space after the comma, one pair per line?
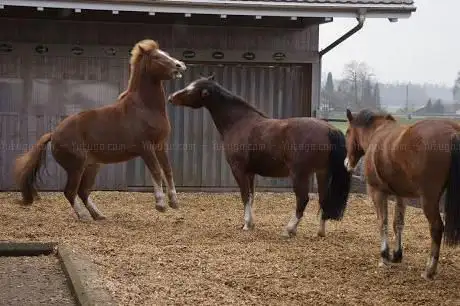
[59,57]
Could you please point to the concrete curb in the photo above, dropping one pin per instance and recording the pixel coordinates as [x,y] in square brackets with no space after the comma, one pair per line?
[83,279]
[8,248]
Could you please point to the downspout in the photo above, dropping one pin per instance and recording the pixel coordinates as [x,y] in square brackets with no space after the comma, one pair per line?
[361,18]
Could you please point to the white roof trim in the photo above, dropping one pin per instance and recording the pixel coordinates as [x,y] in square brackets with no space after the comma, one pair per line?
[244,8]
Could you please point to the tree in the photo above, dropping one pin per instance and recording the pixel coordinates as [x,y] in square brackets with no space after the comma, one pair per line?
[329,88]
[358,78]
[438,107]
[377,96]
[456,89]
[429,106]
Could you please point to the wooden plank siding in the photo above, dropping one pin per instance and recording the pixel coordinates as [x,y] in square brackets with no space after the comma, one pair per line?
[39,90]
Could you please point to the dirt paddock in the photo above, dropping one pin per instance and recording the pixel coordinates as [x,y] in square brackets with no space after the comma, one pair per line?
[199,254]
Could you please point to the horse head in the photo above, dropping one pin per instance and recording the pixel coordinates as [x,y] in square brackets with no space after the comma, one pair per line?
[195,94]
[360,126]
[147,56]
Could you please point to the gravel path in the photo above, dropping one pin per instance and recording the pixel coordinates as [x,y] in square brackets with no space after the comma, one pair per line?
[33,281]
[198,255]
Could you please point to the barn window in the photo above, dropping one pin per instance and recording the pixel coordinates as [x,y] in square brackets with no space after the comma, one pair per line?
[249,56]
[40,49]
[6,48]
[77,50]
[110,51]
[218,55]
[188,54]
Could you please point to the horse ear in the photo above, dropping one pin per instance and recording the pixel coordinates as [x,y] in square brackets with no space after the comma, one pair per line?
[390,117]
[349,115]
[211,77]
[204,93]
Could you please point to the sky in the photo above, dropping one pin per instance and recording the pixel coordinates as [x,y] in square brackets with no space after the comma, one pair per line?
[424,48]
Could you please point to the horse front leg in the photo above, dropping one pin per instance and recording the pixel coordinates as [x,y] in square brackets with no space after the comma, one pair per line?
[166,165]
[245,182]
[151,161]
[380,200]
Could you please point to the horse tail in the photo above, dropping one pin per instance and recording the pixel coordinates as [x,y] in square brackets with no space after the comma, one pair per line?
[339,179]
[452,201]
[27,166]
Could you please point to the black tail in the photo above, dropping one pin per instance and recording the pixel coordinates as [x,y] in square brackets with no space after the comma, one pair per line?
[452,203]
[339,179]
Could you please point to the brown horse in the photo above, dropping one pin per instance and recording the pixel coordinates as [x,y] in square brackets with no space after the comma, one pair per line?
[419,160]
[294,147]
[135,125]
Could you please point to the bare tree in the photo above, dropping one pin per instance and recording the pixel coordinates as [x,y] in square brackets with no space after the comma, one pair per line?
[456,89]
[357,80]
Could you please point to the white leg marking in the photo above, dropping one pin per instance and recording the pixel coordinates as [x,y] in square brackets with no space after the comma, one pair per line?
[94,210]
[292,225]
[384,244]
[248,214]
[159,196]
[81,211]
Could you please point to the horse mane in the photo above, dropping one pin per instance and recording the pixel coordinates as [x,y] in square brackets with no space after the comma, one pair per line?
[366,117]
[141,47]
[235,99]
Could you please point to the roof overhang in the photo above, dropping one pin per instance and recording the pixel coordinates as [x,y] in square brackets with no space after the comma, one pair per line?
[228,7]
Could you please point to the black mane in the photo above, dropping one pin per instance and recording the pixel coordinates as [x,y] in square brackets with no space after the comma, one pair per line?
[366,117]
[231,98]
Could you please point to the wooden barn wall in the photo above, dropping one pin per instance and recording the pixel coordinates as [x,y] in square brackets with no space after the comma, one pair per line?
[169,36]
[37,91]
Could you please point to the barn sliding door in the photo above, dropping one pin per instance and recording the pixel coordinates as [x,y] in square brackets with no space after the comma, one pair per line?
[195,148]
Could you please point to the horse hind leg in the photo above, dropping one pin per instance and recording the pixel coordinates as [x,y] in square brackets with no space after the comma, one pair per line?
[380,200]
[73,181]
[84,190]
[398,228]
[321,178]
[301,188]
[430,207]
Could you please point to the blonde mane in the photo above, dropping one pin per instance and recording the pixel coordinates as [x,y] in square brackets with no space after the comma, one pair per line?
[142,46]
[139,48]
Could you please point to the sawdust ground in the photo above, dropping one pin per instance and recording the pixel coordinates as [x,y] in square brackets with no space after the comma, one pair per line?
[199,254]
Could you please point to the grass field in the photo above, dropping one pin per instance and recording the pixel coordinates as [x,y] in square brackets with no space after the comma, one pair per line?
[404,120]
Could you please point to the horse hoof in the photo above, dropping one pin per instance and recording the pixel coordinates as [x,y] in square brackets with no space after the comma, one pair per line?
[248,227]
[397,257]
[160,208]
[85,218]
[174,205]
[383,264]
[427,276]
[321,234]
[100,217]
[288,234]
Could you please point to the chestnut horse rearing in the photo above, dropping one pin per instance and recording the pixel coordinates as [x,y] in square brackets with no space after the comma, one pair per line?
[294,147]
[135,125]
[418,160]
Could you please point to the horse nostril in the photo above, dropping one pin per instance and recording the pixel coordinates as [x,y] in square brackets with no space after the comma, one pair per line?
[179,65]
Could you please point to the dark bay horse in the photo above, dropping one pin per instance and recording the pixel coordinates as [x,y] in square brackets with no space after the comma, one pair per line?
[294,147]
[407,161]
[135,125]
